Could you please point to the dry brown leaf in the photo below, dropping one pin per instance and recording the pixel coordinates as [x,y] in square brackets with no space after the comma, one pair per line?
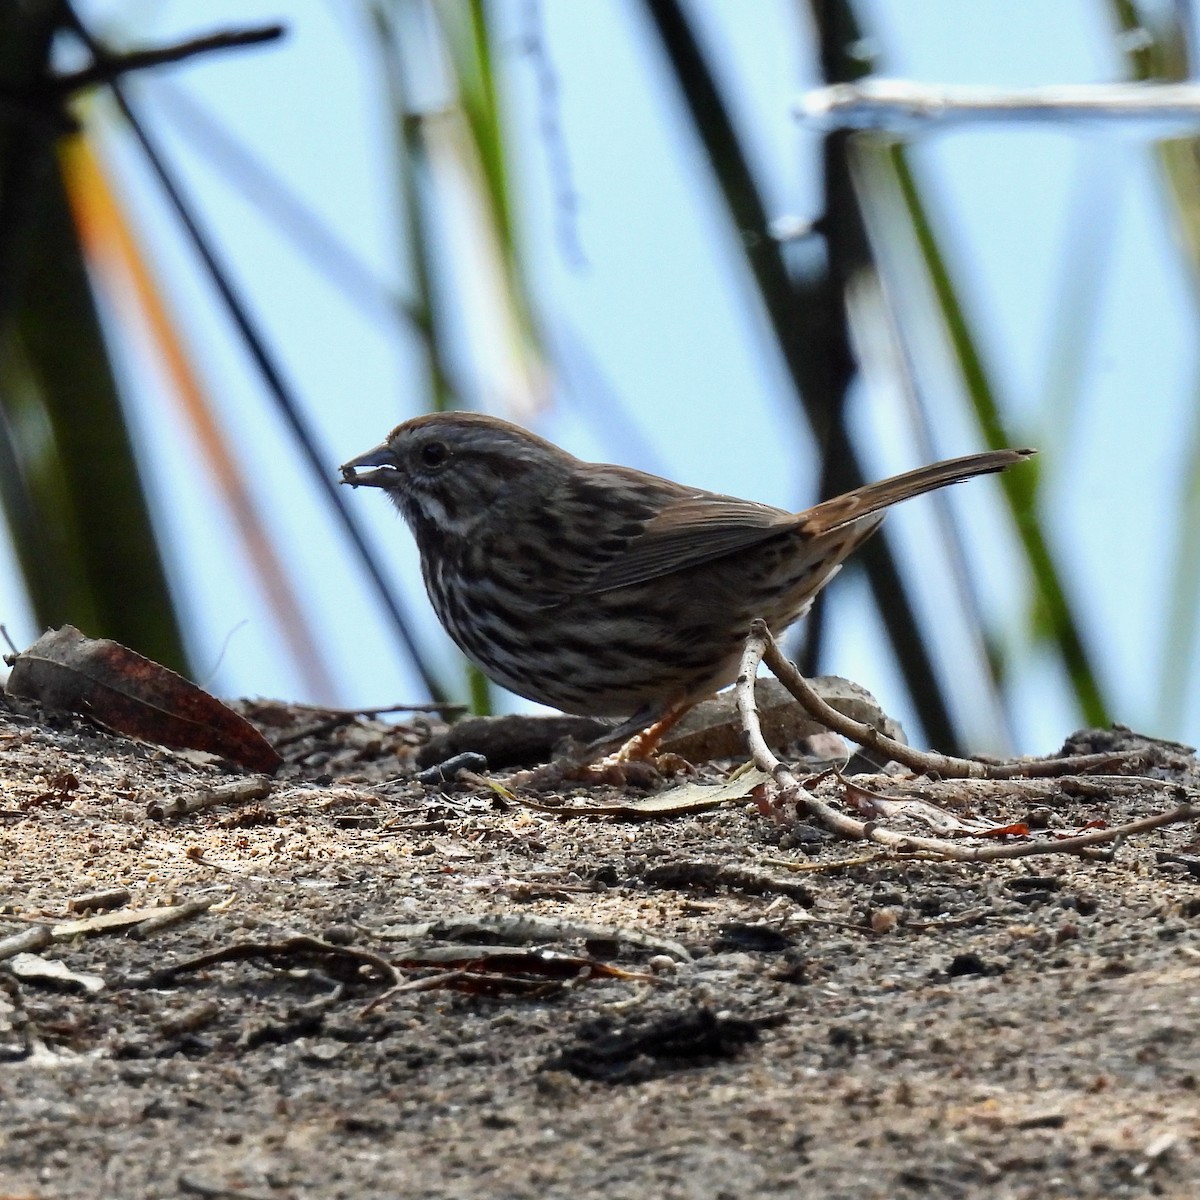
[132,695]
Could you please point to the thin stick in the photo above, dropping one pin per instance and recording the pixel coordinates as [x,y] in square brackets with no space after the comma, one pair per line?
[921,761]
[238,791]
[758,645]
[426,983]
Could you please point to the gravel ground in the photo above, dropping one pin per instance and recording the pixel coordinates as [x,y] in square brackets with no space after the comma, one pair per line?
[382,988]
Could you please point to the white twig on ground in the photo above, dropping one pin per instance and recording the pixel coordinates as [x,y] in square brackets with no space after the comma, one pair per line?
[761,647]
[921,761]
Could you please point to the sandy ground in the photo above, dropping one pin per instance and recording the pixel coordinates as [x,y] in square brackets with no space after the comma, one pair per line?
[712,1005]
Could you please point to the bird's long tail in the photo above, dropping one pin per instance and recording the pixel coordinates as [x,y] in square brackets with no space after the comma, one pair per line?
[851,507]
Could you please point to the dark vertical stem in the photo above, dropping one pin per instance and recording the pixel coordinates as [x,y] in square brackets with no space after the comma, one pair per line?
[78,515]
[807,316]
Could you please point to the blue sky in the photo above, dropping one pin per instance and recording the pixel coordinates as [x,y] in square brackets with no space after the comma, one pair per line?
[1062,242]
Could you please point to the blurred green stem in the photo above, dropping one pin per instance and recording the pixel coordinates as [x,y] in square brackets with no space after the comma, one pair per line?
[77,512]
[1020,487]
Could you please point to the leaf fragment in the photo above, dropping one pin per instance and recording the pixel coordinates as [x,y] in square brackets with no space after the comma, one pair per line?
[132,695]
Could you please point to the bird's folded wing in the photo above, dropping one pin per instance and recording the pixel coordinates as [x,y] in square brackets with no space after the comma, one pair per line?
[690,531]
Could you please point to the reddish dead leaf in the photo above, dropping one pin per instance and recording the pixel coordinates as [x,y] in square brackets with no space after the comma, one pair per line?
[1016,829]
[61,787]
[132,695]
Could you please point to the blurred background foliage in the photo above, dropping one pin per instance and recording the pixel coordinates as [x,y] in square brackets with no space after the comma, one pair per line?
[121,307]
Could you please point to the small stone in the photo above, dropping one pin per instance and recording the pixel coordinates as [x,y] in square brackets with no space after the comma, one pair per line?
[884,920]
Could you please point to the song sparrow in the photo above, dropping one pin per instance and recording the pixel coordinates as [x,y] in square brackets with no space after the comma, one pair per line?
[601,590]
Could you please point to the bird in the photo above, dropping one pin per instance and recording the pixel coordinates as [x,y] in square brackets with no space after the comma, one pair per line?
[606,591]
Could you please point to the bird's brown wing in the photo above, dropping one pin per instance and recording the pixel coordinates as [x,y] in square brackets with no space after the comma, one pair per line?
[613,527]
[692,529]
[626,527]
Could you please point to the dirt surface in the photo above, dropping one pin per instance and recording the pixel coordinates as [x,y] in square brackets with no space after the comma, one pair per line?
[779,1013]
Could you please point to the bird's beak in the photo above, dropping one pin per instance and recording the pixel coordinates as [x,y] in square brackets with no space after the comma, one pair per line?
[383,473]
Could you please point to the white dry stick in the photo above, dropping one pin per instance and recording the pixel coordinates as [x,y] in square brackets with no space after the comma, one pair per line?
[237,791]
[25,941]
[903,107]
[867,736]
[920,761]
[758,645]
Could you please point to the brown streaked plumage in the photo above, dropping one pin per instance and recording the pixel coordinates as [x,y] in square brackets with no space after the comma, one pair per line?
[605,591]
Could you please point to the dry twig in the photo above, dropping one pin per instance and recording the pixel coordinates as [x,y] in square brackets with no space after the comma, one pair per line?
[237,791]
[339,962]
[761,647]
[921,761]
[25,941]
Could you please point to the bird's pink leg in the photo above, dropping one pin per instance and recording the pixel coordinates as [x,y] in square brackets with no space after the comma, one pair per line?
[642,746]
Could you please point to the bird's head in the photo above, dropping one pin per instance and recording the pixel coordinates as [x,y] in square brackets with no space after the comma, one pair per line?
[445,470]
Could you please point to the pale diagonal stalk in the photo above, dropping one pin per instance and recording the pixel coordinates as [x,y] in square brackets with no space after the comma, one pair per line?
[1020,488]
[288,212]
[411,165]
[465,30]
[1072,326]
[466,147]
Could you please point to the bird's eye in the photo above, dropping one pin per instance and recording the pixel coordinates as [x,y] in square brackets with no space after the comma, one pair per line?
[433,454]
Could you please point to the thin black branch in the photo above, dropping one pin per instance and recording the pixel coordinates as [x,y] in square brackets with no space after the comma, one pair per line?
[44,97]
[286,402]
[107,66]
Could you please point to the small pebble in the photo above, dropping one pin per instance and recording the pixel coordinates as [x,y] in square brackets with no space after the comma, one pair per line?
[884,920]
